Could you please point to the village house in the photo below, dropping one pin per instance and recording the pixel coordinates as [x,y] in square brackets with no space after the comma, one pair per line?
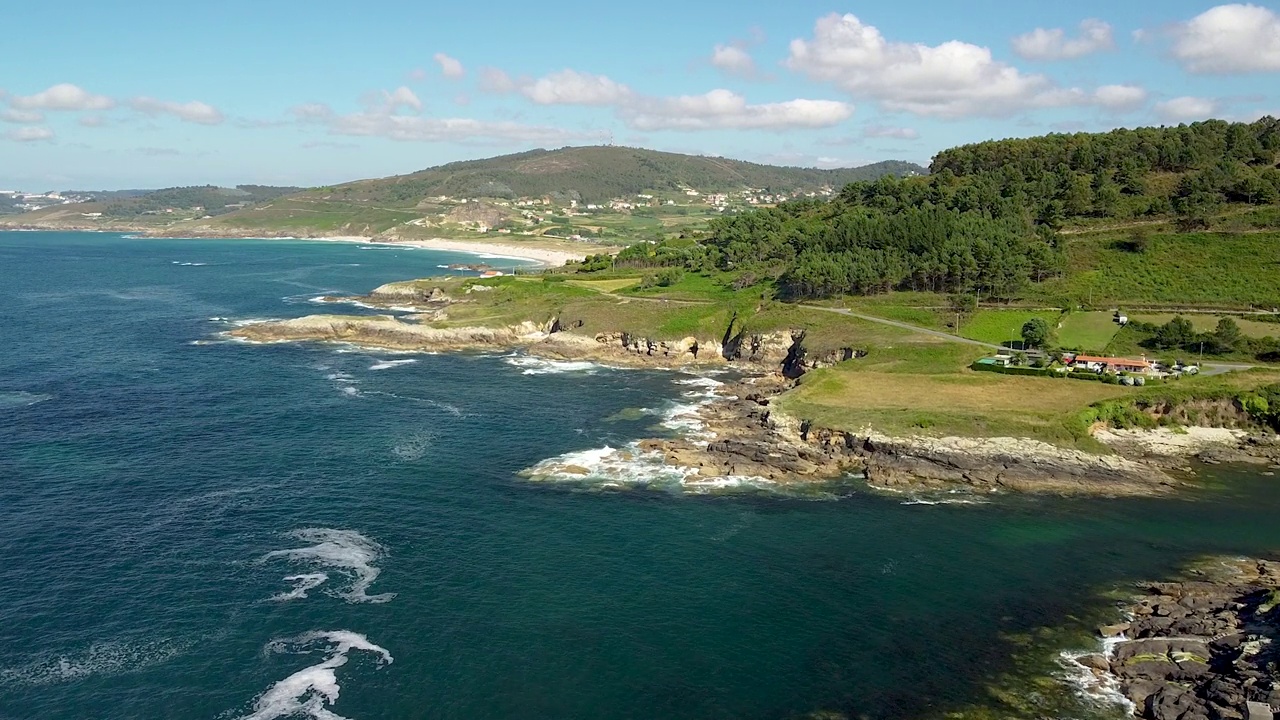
[1111,364]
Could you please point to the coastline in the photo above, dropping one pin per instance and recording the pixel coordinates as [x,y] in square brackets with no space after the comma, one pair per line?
[488,250]
[541,256]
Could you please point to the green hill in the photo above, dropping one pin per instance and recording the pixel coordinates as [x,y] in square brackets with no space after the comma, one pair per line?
[600,173]
[1172,216]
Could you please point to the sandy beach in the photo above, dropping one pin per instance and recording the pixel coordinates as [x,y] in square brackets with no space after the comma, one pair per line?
[492,250]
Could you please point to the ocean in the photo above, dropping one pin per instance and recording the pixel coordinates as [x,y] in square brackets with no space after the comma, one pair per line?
[198,528]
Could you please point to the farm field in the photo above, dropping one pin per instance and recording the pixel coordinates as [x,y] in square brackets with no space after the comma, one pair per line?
[1001,326]
[1087,331]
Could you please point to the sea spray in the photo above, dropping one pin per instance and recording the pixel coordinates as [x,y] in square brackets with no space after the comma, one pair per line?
[307,692]
[346,551]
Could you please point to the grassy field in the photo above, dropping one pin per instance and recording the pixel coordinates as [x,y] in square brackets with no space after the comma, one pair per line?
[1087,331]
[1000,326]
[927,390]
[1206,323]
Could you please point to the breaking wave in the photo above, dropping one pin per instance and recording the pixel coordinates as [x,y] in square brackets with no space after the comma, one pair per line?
[538,366]
[307,692]
[346,551]
[1095,687]
[389,364]
[630,467]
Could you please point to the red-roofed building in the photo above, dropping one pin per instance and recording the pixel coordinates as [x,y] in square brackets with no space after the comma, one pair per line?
[1112,364]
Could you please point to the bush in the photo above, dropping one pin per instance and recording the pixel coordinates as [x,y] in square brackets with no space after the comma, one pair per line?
[669,277]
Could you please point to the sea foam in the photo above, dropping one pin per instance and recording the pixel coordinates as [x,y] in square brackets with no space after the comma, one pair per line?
[113,657]
[629,467]
[346,551]
[389,364]
[21,399]
[1098,688]
[538,366]
[307,692]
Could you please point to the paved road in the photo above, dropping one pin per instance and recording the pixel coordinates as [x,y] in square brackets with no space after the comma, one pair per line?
[1213,368]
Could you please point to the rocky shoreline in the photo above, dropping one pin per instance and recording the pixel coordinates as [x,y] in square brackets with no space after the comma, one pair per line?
[744,436]
[1201,648]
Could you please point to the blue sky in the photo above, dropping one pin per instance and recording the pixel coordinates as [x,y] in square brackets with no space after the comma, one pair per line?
[317,92]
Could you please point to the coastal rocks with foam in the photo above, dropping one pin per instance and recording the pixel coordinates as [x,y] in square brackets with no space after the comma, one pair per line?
[1200,648]
[742,434]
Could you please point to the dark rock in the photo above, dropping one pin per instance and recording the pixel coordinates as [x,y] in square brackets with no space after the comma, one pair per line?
[1170,703]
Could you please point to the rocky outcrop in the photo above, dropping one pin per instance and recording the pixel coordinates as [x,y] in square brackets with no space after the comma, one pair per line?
[992,464]
[548,339]
[1200,649]
[744,435]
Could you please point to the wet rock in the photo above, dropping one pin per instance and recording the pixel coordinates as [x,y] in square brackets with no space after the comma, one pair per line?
[1202,646]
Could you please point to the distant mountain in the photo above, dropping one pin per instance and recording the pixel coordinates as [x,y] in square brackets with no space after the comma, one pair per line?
[600,173]
[435,200]
[202,199]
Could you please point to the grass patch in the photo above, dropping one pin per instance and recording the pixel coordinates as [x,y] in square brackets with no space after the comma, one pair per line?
[608,286]
[1088,331]
[1002,326]
[915,392]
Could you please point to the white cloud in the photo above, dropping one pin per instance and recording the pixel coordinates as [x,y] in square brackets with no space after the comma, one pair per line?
[570,87]
[733,60]
[1041,44]
[381,121]
[449,67]
[717,109]
[29,134]
[21,117]
[722,109]
[1233,38]
[496,81]
[92,121]
[954,79]
[417,75]
[192,112]
[886,131]
[63,97]
[1119,98]
[1185,109]
[390,102]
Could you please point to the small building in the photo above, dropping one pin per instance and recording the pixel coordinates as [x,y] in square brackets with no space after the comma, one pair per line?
[1112,364]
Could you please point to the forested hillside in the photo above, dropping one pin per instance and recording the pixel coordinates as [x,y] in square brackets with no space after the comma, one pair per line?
[988,220]
[213,200]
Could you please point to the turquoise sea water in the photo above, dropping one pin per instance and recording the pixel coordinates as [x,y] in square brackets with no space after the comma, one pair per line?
[157,489]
